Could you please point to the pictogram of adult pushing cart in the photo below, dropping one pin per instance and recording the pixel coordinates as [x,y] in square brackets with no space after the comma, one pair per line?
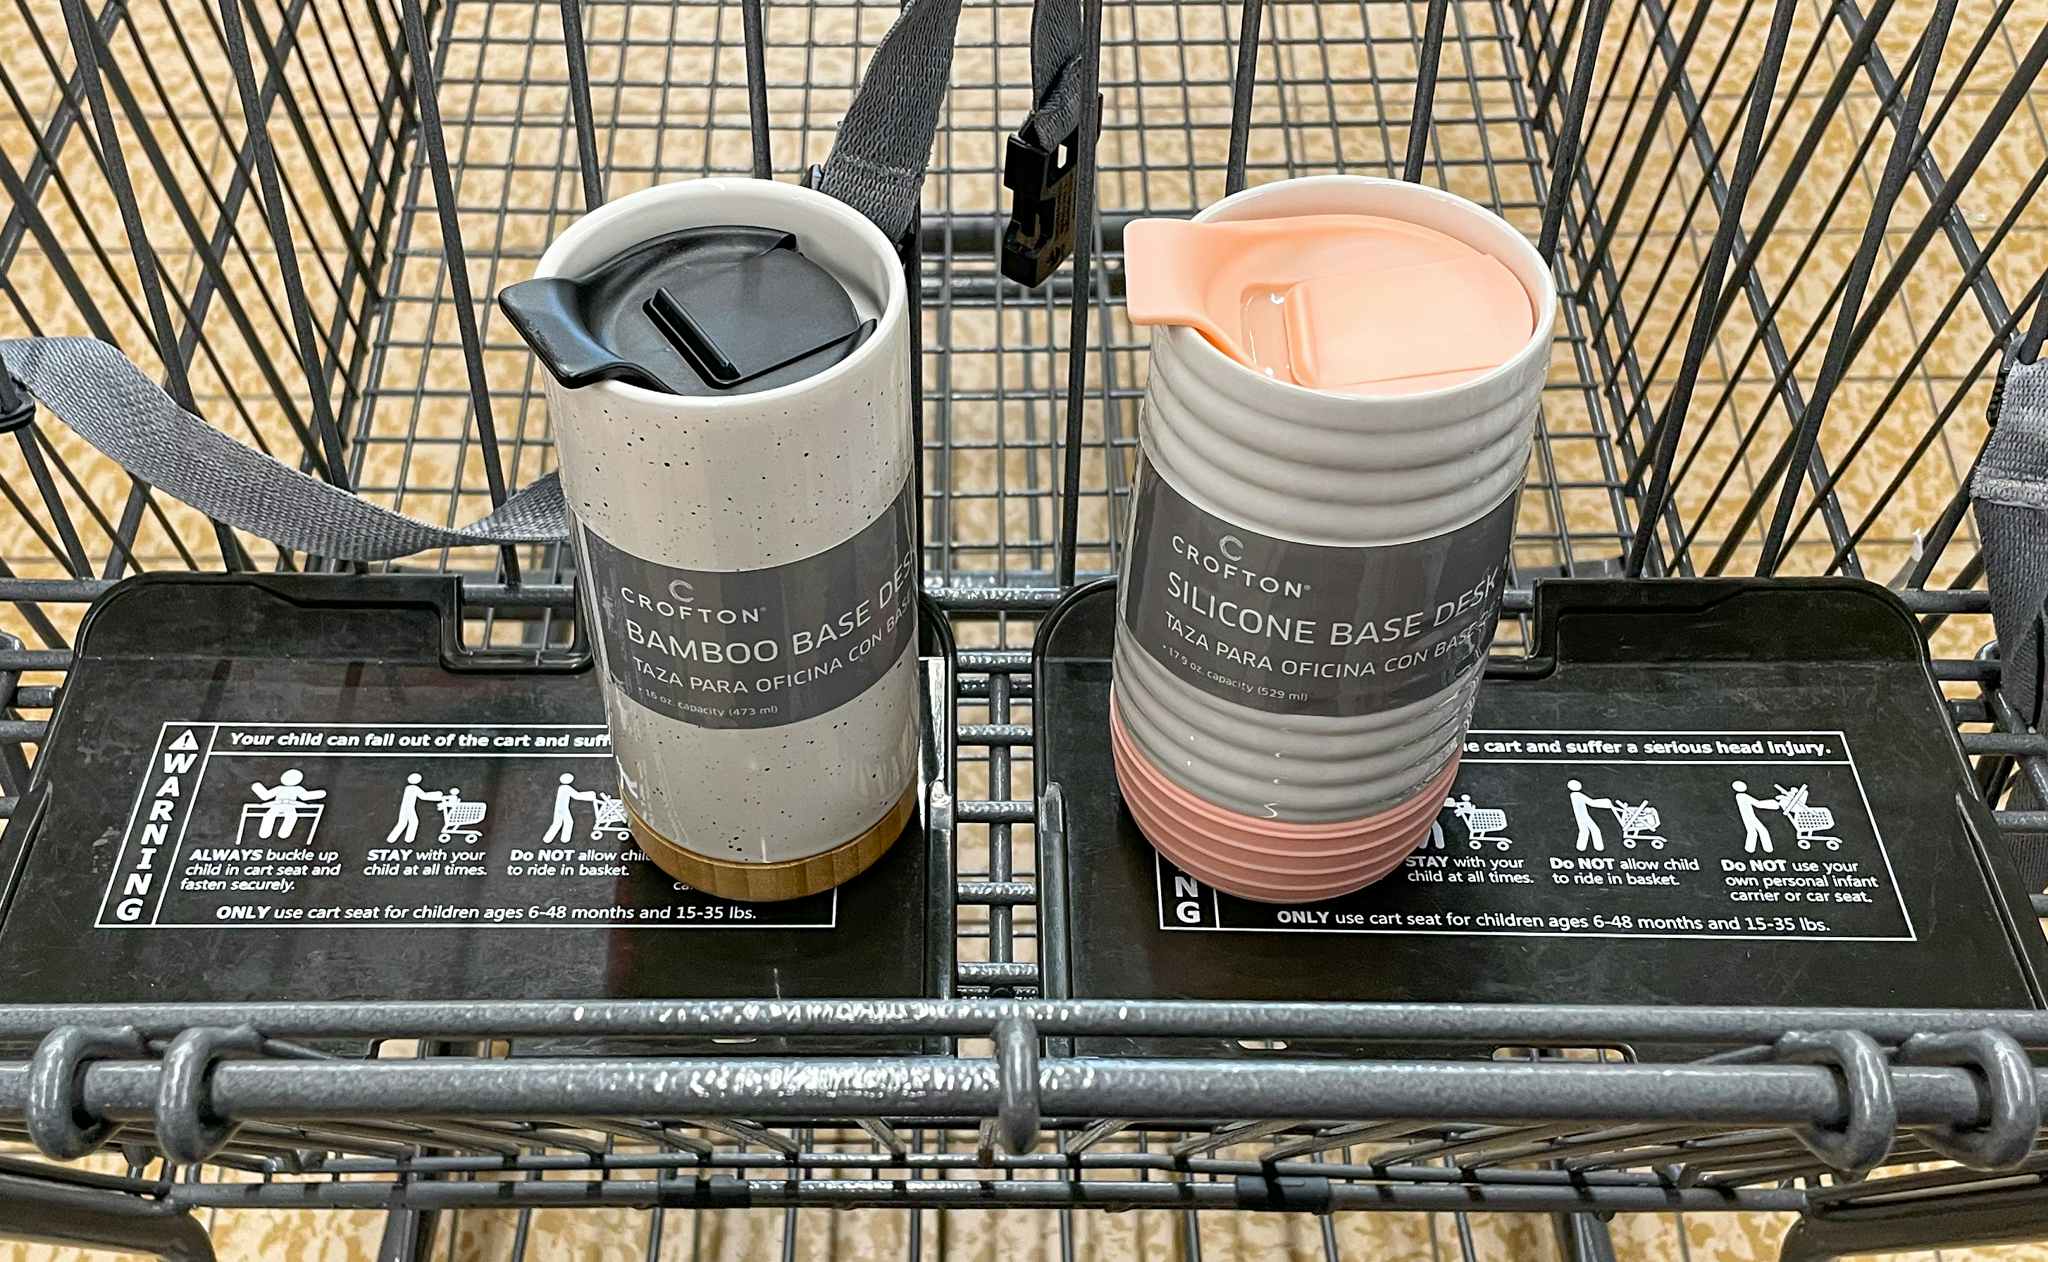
[459,819]
[1809,823]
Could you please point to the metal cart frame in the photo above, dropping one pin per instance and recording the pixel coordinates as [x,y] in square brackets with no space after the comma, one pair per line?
[327,274]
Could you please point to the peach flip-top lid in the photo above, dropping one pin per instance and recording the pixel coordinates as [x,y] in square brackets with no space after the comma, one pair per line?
[1352,304]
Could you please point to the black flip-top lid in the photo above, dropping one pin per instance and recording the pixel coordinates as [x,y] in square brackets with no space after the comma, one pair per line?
[701,311]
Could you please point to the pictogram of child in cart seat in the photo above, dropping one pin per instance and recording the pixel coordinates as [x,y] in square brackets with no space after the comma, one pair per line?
[289,802]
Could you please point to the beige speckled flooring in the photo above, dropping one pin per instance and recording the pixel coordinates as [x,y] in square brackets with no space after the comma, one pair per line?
[670,103]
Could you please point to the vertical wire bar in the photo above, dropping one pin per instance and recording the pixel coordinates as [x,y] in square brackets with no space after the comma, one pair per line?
[1679,401]
[426,88]
[2001,332]
[1906,136]
[39,473]
[913,288]
[2029,349]
[1000,928]
[114,164]
[1425,90]
[1084,243]
[85,46]
[35,223]
[913,1247]
[1600,361]
[1943,193]
[1661,23]
[29,519]
[1652,129]
[578,62]
[1548,87]
[275,52]
[757,89]
[213,261]
[1467,1250]
[1936,539]
[1938,536]
[1241,94]
[1956,227]
[264,158]
[1112,432]
[43,167]
[1765,338]
[1569,141]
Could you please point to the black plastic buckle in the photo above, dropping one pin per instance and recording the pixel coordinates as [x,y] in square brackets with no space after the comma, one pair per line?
[17,406]
[1996,403]
[1040,234]
[2011,355]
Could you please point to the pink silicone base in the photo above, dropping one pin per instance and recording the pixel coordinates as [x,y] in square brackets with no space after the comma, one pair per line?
[1270,861]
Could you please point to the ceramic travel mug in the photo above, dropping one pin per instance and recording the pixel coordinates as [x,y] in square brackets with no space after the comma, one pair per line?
[1312,578]
[729,391]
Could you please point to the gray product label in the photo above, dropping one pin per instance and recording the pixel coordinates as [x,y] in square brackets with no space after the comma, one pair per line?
[759,648]
[1300,628]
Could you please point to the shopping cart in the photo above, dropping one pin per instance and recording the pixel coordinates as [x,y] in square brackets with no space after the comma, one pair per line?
[1809,823]
[459,819]
[1482,823]
[608,816]
[1639,823]
[1777,347]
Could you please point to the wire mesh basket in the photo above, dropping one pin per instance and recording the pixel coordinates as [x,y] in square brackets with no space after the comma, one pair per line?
[1796,241]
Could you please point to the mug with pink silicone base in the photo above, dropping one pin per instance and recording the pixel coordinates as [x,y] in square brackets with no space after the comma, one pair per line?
[1345,377]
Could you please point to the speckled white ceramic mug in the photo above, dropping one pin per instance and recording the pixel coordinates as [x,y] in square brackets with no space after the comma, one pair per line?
[1275,798]
[711,532]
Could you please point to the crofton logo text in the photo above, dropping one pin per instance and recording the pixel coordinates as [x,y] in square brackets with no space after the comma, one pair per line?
[1223,565]
[682,607]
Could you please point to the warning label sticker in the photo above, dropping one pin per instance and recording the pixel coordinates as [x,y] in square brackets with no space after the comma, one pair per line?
[416,826]
[1618,834]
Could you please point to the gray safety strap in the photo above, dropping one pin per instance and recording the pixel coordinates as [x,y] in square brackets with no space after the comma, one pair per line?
[878,158]
[884,143]
[877,165]
[107,401]
[1056,48]
[2010,494]
[2029,847]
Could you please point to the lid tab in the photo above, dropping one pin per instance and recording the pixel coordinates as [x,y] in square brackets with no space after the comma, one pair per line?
[1350,304]
[701,311]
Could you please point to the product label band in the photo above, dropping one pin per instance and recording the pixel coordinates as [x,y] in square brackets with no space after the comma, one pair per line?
[1301,628]
[758,648]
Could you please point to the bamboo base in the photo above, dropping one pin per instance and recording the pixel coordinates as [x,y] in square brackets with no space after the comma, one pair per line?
[773,882]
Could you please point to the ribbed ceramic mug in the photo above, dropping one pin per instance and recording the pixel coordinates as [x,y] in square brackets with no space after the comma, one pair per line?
[1311,583]
[751,572]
